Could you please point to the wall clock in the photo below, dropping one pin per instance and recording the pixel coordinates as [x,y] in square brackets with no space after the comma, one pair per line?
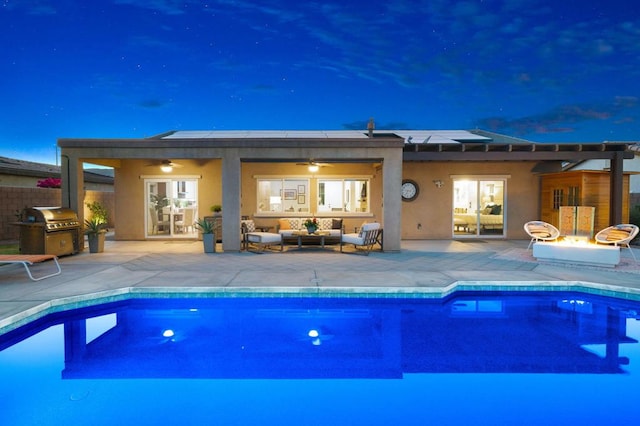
[410,190]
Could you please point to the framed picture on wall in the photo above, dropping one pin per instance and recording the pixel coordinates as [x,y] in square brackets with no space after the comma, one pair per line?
[301,189]
[301,199]
[290,194]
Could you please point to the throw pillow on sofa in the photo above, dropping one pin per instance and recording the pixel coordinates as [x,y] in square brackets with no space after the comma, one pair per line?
[284,224]
[325,224]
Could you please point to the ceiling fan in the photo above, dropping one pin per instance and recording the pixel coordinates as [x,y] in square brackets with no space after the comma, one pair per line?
[314,166]
[166,165]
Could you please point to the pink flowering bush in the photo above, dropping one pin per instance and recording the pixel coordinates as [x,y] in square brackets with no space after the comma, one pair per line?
[49,183]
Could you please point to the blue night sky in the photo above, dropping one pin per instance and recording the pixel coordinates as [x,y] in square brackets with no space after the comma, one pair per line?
[543,70]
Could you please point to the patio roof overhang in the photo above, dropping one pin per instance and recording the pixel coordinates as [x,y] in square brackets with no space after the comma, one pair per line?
[615,152]
[514,152]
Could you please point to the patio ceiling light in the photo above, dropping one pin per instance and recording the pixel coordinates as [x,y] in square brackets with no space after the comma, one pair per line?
[167,166]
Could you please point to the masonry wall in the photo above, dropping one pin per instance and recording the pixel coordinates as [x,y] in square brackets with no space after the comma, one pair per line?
[13,200]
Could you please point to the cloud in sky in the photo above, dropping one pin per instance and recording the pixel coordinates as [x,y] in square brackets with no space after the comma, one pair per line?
[565,118]
[535,68]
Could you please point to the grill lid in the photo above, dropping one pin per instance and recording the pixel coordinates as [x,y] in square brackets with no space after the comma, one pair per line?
[54,218]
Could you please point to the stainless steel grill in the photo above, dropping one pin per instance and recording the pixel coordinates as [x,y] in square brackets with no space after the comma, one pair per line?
[50,230]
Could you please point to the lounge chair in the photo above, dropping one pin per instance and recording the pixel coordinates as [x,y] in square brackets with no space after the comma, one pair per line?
[618,235]
[365,239]
[29,259]
[541,231]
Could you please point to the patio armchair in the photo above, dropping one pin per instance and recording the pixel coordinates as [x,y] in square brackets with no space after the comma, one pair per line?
[252,236]
[365,239]
[618,235]
[541,231]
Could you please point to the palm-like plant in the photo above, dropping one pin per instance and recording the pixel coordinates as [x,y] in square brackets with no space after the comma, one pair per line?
[95,225]
[205,226]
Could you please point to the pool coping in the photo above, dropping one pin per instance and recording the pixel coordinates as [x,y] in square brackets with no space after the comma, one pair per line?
[37,312]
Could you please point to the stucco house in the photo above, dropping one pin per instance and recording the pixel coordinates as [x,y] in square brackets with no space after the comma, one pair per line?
[418,184]
[27,174]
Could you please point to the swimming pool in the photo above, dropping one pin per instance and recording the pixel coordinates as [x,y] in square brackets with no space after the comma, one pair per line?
[470,358]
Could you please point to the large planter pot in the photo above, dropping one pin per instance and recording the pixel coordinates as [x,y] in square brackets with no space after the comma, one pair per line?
[96,242]
[209,243]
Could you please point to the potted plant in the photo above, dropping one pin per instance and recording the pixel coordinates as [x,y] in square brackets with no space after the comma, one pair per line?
[216,209]
[99,212]
[312,225]
[159,202]
[95,230]
[206,227]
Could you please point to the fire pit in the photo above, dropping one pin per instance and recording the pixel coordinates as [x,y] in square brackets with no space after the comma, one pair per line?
[579,251]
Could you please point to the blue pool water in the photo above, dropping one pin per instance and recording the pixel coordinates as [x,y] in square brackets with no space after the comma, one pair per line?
[473,358]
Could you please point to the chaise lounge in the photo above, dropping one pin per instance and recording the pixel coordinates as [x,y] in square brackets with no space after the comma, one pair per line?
[28,260]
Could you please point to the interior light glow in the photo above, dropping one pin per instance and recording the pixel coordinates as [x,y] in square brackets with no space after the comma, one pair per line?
[313,168]
[313,333]
[168,333]
[166,168]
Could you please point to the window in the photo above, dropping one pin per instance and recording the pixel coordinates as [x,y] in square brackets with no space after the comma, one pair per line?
[296,196]
[343,195]
[558,195]
[283,195]
[478,207]
[573,198]
[169,203]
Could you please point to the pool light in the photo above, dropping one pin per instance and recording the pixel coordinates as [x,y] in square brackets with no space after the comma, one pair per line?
[315,337]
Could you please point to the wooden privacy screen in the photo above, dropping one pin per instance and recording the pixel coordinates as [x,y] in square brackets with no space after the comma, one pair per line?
[577,220]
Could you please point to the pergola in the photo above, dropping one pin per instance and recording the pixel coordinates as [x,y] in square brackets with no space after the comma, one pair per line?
[551,156]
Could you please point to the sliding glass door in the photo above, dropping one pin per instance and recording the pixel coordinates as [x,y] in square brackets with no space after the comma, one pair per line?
[478,207]
[171,208]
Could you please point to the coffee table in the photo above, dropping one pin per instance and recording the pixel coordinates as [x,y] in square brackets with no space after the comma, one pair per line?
[315,238]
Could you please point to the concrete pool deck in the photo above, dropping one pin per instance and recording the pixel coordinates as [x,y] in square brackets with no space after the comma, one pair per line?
[421,266]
